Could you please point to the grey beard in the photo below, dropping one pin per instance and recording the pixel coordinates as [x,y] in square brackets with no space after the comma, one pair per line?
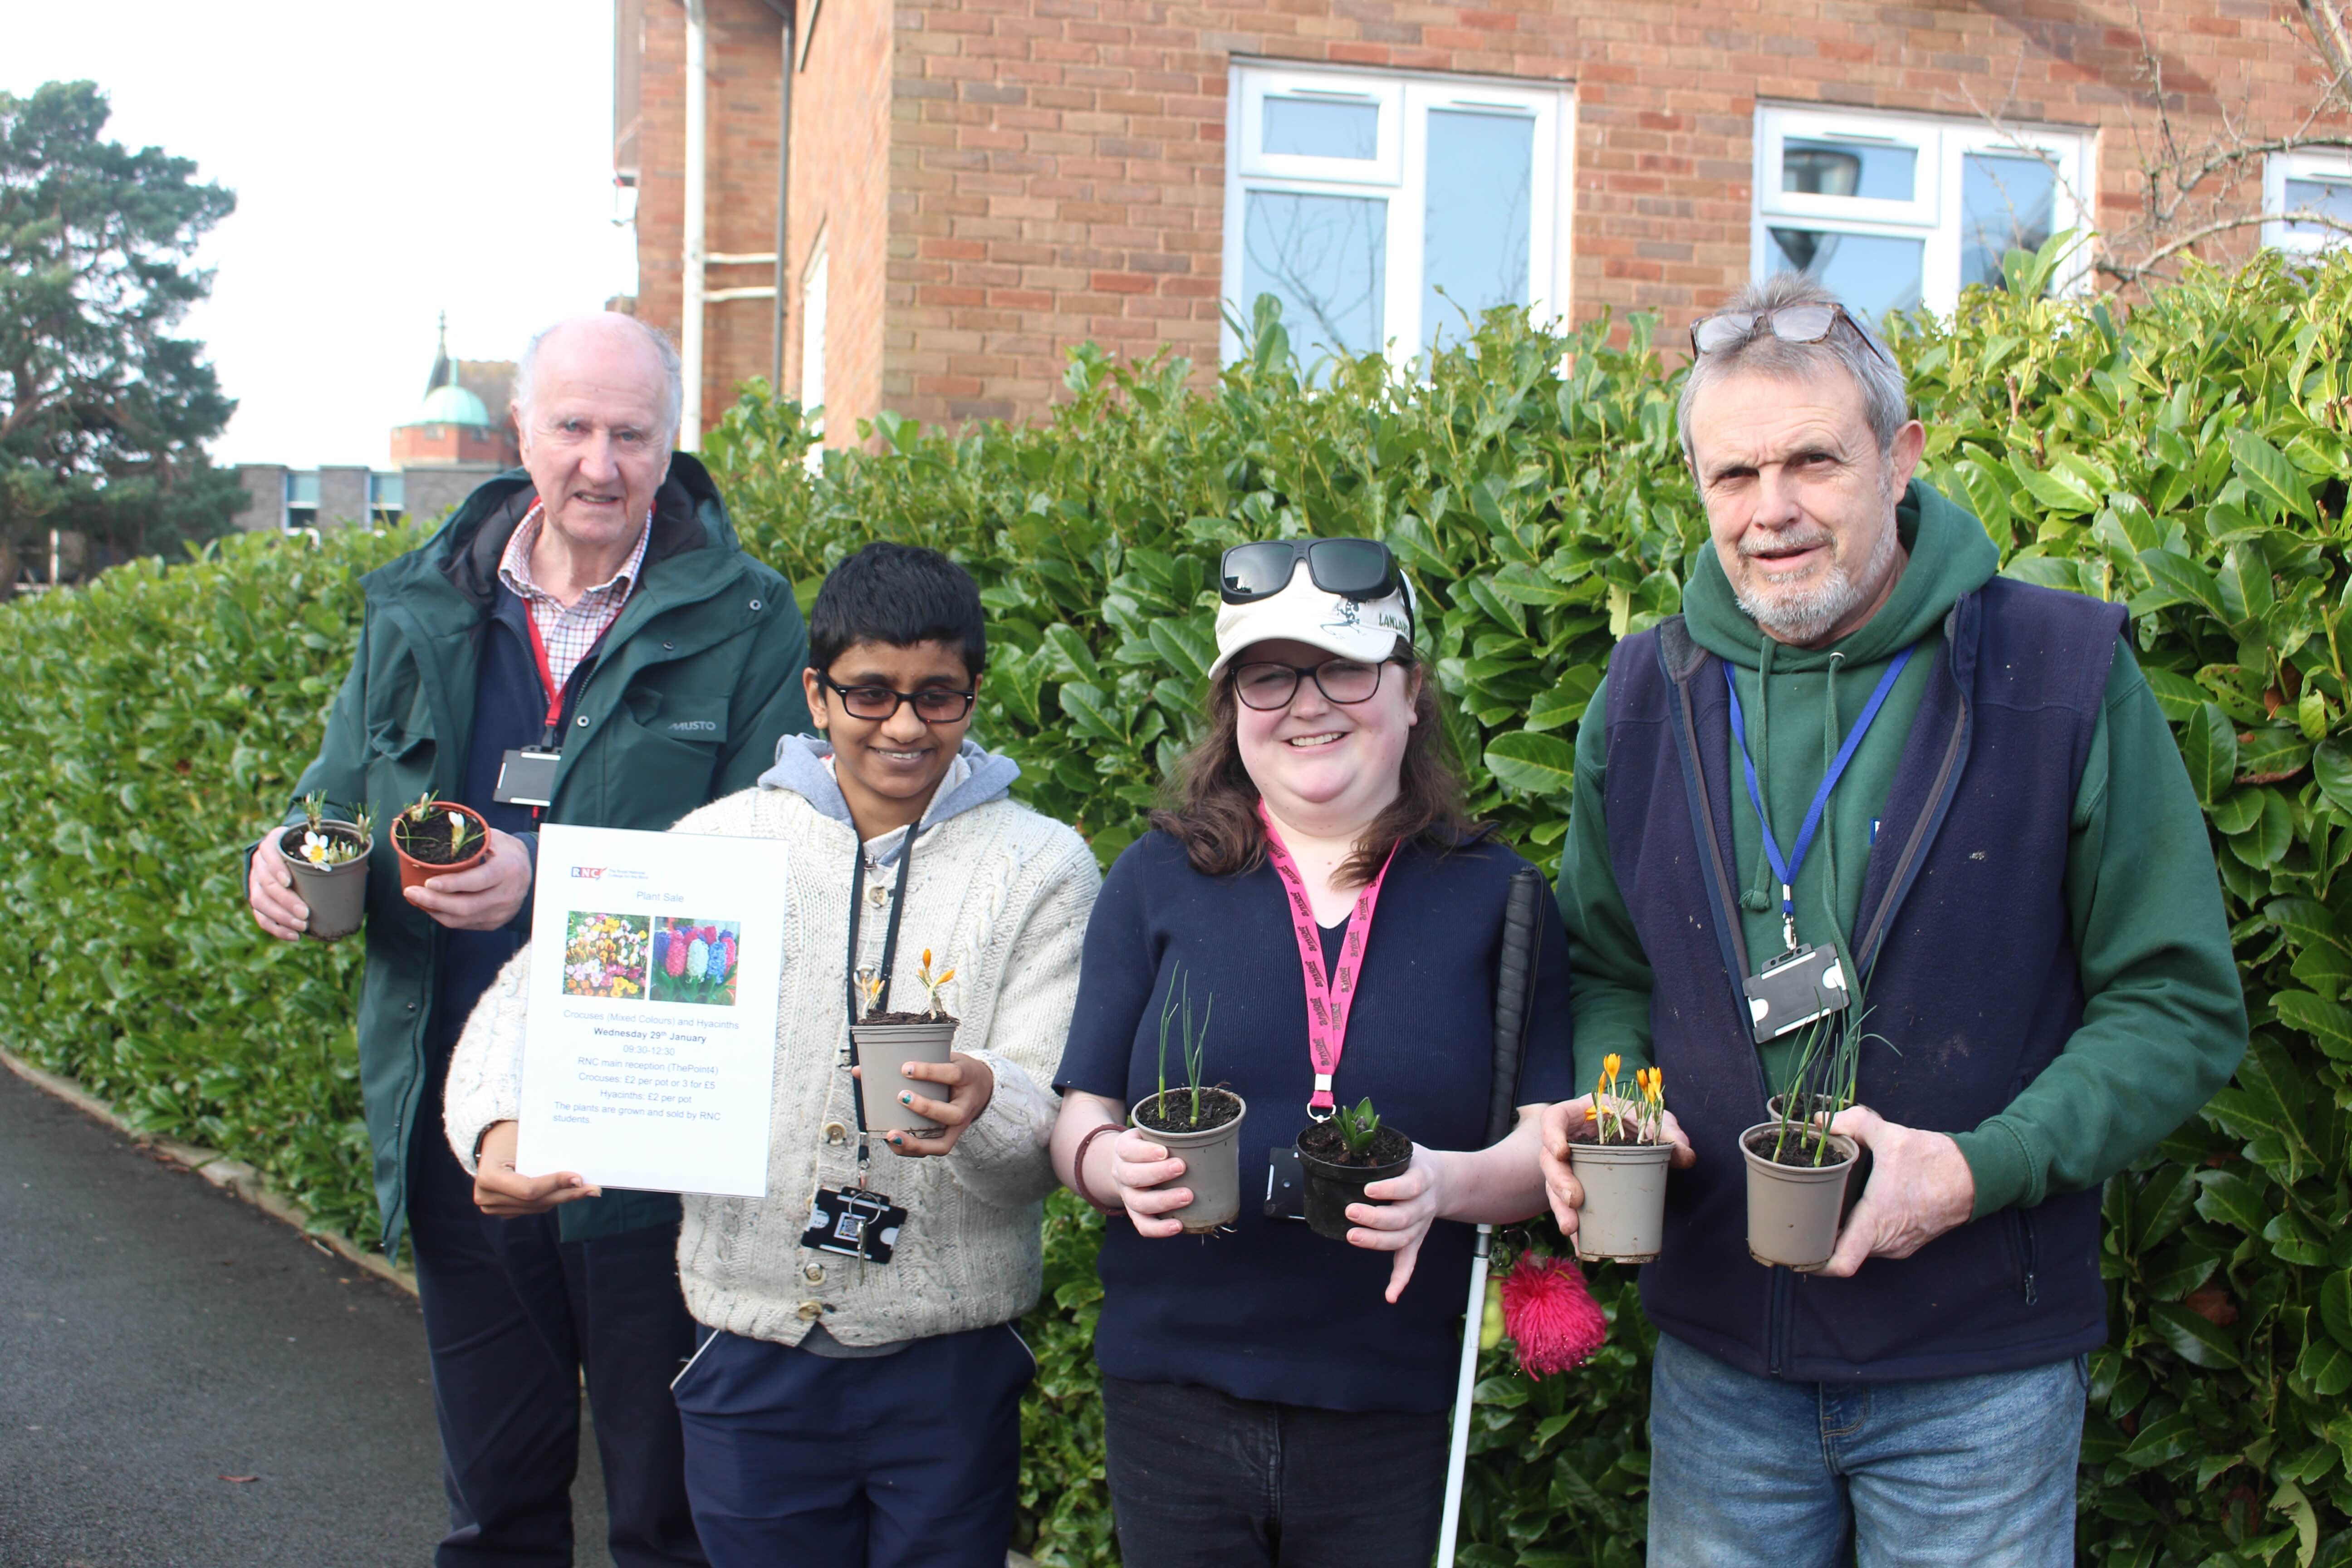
[1804,611]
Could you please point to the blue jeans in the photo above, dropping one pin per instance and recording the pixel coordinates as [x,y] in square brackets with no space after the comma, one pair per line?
[1959,1470]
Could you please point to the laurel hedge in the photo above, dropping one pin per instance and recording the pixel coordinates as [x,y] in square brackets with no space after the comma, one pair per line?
[2189,456]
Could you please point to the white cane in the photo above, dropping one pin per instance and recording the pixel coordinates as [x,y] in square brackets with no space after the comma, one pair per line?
[1514,981]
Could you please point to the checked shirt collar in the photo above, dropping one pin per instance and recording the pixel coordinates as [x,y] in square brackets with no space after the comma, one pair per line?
[569,631]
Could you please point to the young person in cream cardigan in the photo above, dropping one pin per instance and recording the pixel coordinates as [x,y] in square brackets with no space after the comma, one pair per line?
[839,1410]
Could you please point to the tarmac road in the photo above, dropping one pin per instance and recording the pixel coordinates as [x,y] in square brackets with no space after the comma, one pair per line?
[158,1336]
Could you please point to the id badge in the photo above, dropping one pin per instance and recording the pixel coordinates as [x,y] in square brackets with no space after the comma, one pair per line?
[853,1223]
[1794,989]
[526,777]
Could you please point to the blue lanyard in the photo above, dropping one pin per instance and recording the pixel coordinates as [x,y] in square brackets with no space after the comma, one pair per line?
[1786,870]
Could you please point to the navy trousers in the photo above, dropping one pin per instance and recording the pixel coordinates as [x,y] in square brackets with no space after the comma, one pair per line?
[797,1460]
[512,1317]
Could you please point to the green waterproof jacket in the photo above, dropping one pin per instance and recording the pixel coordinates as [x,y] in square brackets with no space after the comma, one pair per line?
[684,702]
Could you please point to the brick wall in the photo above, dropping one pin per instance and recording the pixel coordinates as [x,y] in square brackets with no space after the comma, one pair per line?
[841,194]
[1055,168]
[739,183]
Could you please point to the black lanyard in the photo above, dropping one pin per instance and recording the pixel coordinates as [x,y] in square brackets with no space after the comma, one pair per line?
[889,956]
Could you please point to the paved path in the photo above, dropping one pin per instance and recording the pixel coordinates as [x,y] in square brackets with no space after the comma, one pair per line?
[156,1334]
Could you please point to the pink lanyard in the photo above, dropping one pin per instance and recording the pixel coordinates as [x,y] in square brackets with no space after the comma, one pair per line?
[1328,1003]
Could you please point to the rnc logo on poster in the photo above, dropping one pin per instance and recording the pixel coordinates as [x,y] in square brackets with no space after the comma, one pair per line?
[591,872]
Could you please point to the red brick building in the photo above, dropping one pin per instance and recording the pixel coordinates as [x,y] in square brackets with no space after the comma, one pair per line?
[973,186]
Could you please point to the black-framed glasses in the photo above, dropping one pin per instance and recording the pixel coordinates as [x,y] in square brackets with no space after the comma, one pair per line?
[1265,686]
[933,705]
[1790,323]
[1351,568]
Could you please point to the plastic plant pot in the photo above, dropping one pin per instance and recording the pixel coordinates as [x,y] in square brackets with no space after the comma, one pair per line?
[882,1050]
[1794,1211]
[336,895]
[415,873]
[1330,1187]
[1624,1219]
[1211,1157]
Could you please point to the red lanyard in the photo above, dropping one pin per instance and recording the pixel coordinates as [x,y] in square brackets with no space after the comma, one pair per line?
[1328,1003]
[546,672]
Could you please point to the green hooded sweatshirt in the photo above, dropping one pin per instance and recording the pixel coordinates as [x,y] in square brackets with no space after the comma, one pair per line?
[2164,1018]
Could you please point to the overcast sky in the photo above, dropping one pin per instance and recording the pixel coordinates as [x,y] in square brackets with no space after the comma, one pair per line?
[389,162]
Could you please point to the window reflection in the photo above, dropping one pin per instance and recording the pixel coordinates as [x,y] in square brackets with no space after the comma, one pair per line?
[1872,273]
[2328,198]
[1324,258]
[1474,233]
[1863,169]
[1320,128]
[2006,202]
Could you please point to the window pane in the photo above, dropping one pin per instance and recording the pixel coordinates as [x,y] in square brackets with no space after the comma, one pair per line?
[1872,274]
[303,490]
[1321,128]
[2006,204]
[1868,170]
[1324,258]
[386,489]
[2330,198]
[1475,235]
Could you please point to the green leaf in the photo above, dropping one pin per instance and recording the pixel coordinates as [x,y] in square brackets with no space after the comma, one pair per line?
[1532,763]
[2332,767]
[2061,489]
[2327,1365]
[2268,474]
[2209,747]
[2178,578]
[2325,1022]
[2226,1198]
[2193,1338]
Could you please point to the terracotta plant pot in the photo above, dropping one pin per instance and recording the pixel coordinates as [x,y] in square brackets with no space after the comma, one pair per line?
[336,896]
[1331,1187]
[415,873]
[882,1050]
[1794,1211]
[1624,1219]
[1213,1159]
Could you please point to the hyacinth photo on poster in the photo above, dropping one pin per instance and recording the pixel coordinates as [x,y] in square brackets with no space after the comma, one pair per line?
[695,961]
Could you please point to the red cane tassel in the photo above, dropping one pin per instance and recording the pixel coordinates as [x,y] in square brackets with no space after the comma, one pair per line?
[1549,1314]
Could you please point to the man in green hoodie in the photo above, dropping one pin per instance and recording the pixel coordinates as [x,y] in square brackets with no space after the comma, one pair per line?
[1950,803]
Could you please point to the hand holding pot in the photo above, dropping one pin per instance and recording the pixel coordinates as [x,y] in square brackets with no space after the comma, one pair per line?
[484,898]
[1560,1185]
[269,889]
[503,1193]
[1140,1171]
[970,1086]
[1920,1186]
[1398,1219]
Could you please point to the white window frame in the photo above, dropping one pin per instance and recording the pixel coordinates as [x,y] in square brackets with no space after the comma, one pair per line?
[1934,214]
[2304,163]
[816,294]
[1399,173]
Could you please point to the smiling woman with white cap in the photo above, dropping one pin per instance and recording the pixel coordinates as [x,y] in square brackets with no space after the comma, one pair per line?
[1270,1395]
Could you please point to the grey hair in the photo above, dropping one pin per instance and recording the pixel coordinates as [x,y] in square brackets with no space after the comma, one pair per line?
[673,369]
[1885,399]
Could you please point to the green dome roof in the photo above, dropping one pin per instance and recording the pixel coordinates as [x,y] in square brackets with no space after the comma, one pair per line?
[453,405]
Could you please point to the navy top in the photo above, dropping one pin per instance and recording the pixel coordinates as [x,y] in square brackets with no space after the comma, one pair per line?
[1272,1310]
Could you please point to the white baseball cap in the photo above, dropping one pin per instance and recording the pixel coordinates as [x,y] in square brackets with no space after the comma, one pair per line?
[1367,630]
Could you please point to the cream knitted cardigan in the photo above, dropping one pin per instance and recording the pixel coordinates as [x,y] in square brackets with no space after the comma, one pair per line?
[999,893]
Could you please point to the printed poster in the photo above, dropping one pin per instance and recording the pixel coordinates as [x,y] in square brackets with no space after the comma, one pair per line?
[650,1049]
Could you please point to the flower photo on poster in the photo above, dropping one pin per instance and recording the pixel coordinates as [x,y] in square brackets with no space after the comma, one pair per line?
[604,955]
[695,961]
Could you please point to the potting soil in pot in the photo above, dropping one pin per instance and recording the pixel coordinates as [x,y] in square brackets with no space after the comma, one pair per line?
[1798,1151]
[1173,1113]
[907,1018]
[1323,1142]
[430,844]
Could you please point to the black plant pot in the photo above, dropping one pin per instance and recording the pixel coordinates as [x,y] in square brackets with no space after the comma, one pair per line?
[1331,1187]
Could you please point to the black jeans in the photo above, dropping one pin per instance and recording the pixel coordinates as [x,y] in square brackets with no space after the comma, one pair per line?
[512,1317]
[1200,1480]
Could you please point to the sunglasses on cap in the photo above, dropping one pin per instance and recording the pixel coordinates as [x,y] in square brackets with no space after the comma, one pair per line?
[1790,323]
[1356,568]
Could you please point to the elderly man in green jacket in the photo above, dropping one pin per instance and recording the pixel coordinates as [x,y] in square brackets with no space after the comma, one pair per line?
[598,607]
